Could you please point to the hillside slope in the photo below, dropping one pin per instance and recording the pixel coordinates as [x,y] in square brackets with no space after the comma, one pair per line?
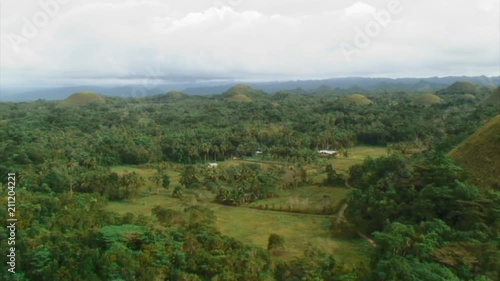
[459,88]
[493,99]
[427,99]
[358,99]
[479,155]
[82,98]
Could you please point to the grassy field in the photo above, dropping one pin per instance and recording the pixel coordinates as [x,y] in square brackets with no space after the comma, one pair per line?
[356,155]
[147,173]
[254,225]
[305,199]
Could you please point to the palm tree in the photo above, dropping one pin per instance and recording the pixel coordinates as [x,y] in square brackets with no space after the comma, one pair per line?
[205,147]
[158,176]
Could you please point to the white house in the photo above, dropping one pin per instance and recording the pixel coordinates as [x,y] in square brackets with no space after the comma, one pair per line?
[328,152]
[212,165]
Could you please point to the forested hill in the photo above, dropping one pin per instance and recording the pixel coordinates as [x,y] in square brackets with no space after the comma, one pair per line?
[479,155]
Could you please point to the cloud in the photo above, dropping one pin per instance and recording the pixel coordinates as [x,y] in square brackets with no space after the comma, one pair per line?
[114,39]
[359,8]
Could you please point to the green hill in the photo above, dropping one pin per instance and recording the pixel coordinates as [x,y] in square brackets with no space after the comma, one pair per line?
[176,95]
[459,88]
[427,99]
[467,97]
[170,96]
[283,95]
[493,98]
[240,98]
[358,99]
[479,155]
[82,98]
[242,90]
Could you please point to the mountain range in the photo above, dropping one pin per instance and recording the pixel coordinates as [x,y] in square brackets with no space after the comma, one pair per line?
[355,84]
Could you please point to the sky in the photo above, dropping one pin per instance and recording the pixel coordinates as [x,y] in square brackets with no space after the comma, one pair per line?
[108,42]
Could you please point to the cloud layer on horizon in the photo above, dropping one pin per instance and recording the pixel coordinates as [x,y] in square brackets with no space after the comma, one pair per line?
[92,41]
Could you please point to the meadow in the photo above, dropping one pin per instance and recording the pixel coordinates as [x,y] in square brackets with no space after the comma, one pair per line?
[290,214]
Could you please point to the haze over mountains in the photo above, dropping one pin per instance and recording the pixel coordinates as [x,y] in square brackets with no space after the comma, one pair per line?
[358,84]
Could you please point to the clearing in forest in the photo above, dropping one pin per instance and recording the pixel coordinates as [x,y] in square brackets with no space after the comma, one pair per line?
[253,223]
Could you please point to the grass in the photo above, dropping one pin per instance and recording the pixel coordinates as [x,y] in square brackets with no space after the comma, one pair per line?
[126,169]
[252,225]
[356,156]
[358,99]
[305,199]
[427,99]
[146,174]
[493,99]
[82,98]
[240,98]
[479,155]
[176,94]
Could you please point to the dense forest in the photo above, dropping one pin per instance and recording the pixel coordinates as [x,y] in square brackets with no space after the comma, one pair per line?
[427,221]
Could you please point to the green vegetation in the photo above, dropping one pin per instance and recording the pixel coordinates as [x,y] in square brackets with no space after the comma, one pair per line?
[122,189]
[82,98]
[493,99]
[425,219]
[427,99]
[479,156]
[240,98]
[176,95]
[243,90]
[358,99]
[307,199]
[459,88]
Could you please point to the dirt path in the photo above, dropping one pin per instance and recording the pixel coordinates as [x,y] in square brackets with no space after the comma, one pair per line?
[367,239]
[340,217]
[340,214]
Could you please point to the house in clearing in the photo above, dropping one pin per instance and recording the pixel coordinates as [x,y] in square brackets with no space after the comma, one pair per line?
[328,152]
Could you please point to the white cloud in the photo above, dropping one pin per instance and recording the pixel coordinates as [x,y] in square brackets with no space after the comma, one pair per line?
[359,8]
[489,6]
[253,40]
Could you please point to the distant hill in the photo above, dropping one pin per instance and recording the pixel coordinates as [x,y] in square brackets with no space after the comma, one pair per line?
[479,155]
[82,98]
[358,99]
[493,99]
[243,89]
[467,97]
[427,99]
[240,98]
[243,93]
[170,96]
[355,84]
[176,95]
[459,88]
[282,95]
[350,84]
[60,93]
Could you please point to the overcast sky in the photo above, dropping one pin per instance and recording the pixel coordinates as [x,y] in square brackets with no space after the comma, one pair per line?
[74,42]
